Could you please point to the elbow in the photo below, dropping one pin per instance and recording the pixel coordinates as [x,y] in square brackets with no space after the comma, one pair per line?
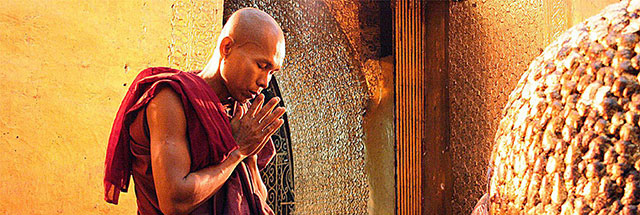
[175,198]
[174,206]
[173,209]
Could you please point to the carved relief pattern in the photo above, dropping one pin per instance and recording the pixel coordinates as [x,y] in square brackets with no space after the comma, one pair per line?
[195,28]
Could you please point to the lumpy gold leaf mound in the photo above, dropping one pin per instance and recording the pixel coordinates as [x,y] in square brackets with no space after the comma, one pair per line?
[568,140]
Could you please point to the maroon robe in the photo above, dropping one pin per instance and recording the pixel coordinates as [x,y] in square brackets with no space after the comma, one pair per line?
[210,143]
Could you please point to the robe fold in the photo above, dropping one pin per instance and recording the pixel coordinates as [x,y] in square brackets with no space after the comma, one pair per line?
[210,143]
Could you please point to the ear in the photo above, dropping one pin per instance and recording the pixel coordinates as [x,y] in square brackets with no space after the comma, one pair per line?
[225,46]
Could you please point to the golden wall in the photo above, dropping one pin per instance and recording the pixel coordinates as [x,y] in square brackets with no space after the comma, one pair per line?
[324,90]
[66,67]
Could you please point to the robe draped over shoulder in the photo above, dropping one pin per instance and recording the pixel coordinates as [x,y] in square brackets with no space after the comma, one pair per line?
[210,143]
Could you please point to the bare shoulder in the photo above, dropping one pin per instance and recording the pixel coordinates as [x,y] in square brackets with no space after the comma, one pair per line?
[165,114]
[165,98]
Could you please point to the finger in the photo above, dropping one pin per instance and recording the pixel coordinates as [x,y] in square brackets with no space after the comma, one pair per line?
[277,113]
[264,142]
[267,135]
[267,108]
[256,105]
[273,127]
[244,109]
[237,111]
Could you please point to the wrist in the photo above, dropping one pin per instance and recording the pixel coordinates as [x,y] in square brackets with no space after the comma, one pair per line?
[252,158]
[235,154]
[252,163]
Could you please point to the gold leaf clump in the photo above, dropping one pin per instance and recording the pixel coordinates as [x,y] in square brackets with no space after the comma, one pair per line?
[569,135]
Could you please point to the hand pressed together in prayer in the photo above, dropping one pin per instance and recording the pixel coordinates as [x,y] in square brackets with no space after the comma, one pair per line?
[252,127]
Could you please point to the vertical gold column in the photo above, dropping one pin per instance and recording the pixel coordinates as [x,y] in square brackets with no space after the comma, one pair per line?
[410,94]
[437,171]
[422,107]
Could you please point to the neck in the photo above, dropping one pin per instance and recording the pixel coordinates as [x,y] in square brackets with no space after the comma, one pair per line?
[211,75]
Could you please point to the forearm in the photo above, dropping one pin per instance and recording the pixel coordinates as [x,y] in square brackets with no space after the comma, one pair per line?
[196,187]
[256,180]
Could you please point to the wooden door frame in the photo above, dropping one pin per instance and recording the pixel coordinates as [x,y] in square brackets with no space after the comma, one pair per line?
[423,162]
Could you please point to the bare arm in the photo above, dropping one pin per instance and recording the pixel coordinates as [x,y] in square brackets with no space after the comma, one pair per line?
[180,191]
[252,165]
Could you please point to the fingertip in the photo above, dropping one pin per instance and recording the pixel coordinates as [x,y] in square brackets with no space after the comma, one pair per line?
[280,123]
[275,100]
[257,101]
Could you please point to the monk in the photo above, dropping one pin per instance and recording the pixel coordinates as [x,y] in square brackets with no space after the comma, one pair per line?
[192,141]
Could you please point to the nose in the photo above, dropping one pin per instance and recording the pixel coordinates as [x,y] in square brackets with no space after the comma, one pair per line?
[263,81]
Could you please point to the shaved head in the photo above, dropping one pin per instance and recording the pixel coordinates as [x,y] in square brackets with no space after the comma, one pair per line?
[250,25]
[249,49]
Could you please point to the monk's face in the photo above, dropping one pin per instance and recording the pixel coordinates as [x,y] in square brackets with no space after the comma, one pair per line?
[248,67]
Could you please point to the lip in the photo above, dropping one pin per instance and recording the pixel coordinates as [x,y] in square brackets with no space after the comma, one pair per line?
[252,94]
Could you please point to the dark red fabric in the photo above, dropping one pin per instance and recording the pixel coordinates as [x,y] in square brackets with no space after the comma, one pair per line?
[210,142]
